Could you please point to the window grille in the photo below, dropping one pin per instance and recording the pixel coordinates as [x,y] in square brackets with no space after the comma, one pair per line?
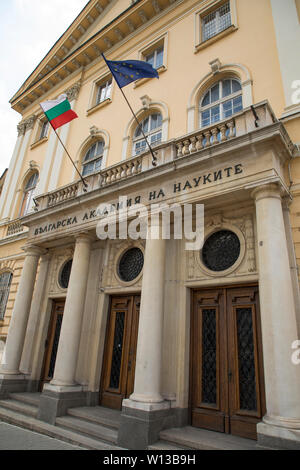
[5,282]
[216,21]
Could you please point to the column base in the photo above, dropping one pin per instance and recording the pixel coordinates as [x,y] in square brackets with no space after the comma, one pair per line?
[141,423]
[279,433]
[12,383]
[56,400]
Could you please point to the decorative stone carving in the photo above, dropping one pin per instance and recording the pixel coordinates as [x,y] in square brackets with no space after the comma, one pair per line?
[58,261]
[72,93]
[143,16]
[7,265]
[29,123]
[146,100]
[156,6]
[94,131]
[215,222]
[108,275]
[215,66]
[21,128]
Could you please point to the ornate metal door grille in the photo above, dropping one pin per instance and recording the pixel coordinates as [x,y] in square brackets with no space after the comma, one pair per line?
[117,351]
[59,319]
[227,386]
[247,380]
[209,356]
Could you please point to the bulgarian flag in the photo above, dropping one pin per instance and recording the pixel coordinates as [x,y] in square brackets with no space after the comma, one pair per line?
[58,111]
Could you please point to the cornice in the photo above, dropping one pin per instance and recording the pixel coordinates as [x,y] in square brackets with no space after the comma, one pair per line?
[60,63]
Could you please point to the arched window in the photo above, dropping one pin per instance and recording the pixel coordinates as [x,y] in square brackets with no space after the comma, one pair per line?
[92,160]
[221,101]
[28,193]
[152,127]
[5,282]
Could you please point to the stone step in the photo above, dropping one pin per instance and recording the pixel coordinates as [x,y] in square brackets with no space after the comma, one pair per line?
[88,429]
[20,407]
[98,415]
[56,432]
[29,398]
[195,438]
[163,445]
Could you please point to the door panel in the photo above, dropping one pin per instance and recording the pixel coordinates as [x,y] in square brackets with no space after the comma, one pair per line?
[226,361]
[119,357]
[52,341]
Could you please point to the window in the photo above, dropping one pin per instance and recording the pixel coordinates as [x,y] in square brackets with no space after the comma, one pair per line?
[44,129]
[64,276]
[104,91]
[221,101]
[28,193]
[216,21]
[93,158]
[221,250]
[5,282]
[156,57]
[152,127]
[131,264]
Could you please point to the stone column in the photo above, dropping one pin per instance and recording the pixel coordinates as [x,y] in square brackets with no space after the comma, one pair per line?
[18,324]
[34,317]
[66,360]
[137,429]
[279,327]
[63,392]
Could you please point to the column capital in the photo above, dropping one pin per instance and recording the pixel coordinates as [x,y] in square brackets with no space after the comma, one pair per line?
[33,250]
[266,191]
[84,237]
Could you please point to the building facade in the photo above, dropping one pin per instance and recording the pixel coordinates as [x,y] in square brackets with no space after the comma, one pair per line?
[173,336]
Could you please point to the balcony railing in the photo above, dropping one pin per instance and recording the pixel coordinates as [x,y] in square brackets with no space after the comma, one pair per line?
[248,120]
[14,228]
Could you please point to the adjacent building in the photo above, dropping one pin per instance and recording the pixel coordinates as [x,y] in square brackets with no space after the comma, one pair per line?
[172,336]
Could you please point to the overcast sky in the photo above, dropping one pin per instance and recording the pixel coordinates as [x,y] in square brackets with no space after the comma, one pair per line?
[29,28]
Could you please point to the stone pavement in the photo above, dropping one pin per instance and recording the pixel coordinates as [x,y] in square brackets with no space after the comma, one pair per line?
[15,438]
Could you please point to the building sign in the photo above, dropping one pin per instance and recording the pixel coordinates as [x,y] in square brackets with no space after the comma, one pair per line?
[174,188]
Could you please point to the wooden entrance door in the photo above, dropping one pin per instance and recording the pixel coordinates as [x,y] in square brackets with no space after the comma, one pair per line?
[120,351]
[52,340]
[227,386]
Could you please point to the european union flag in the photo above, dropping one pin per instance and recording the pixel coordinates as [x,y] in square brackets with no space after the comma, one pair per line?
[127,71]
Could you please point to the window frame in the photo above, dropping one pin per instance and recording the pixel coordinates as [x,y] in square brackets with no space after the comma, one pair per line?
[220,102]
[104,84]
[94,105]
[28,193]
[204,11]
[160,42]
[5,292]
[95,158]
[149,133]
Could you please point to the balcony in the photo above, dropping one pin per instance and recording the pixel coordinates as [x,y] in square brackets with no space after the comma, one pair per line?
[202,140]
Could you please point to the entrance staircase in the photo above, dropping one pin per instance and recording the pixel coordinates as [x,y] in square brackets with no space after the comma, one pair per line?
[188,438]
[92,428]
[96,428]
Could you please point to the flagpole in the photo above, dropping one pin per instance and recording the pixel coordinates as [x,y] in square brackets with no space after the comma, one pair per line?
[84,183]
[154,159]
